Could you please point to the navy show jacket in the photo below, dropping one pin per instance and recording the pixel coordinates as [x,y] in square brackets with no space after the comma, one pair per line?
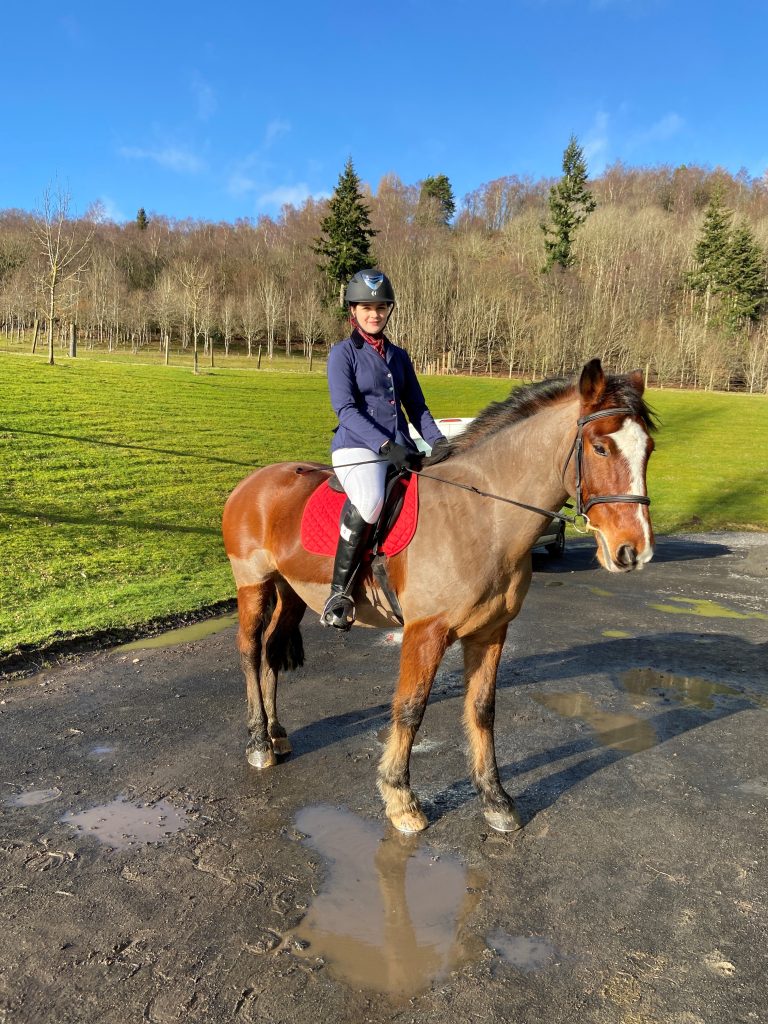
[368,395]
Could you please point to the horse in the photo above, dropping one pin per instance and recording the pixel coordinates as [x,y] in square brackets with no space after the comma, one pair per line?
[466,572]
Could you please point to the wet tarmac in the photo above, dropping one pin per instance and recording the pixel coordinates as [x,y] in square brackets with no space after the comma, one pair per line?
[147,873]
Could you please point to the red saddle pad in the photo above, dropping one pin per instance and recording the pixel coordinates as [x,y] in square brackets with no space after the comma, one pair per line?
[320,522]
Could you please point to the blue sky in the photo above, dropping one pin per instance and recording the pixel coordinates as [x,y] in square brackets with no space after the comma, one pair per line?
[227,110]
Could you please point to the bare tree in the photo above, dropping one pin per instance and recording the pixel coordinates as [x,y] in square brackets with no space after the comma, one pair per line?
[64,250]
[309,310]
[195,279]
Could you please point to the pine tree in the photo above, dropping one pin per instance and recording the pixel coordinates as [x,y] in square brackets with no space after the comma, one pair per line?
[142,220]
[570,203]
[436,200]
[745,277]
[345,243]
[712,251]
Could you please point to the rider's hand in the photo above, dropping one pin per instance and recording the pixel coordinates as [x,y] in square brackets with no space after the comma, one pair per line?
[400,456]
[440,450]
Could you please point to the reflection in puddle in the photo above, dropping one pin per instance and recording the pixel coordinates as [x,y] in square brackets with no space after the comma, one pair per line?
[390,913]
[640,682]
[100,751]
[122,825]
[621,732]
[185,635]
[33,798]
[527,953]
[707,609]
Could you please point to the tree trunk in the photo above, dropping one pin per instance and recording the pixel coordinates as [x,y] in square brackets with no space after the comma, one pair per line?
[51,313]
[35,334]
[72,341]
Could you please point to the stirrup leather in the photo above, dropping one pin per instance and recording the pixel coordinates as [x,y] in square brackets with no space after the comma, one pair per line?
[339,612]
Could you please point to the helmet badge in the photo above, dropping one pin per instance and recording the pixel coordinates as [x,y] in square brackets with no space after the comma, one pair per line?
[373,281]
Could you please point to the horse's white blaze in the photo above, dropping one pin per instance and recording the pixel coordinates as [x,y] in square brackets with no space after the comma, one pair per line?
[631,441]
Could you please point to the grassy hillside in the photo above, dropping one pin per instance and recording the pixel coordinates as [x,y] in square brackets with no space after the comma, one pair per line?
[114,477]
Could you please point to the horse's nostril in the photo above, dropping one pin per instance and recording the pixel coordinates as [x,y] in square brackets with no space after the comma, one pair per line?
[626,555]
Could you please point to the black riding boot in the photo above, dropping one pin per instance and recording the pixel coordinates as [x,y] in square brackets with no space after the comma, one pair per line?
[339,610]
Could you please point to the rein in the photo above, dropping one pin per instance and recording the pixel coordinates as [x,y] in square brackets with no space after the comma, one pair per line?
[580,518]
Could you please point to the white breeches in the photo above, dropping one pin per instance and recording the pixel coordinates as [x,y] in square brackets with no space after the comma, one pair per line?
[364,485]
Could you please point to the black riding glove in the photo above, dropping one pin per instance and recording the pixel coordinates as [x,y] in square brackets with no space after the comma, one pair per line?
[400,456]
[440,450]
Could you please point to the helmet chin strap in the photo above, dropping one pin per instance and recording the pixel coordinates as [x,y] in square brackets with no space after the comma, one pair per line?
[378,334]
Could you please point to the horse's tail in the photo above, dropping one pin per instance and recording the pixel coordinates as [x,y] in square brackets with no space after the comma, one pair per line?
[285,645]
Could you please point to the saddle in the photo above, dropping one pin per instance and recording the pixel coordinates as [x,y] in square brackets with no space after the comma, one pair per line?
[391,534]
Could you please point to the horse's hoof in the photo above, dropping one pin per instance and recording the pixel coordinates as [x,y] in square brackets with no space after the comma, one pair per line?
[410,821]
[281,745]
[503,821]
[258,758]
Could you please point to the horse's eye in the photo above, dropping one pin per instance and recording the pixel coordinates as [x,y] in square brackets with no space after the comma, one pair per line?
[599,449]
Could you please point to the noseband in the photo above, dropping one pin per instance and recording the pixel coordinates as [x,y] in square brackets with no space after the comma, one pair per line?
[582,507]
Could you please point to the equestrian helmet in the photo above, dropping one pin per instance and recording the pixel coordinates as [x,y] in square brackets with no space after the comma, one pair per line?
[369,286]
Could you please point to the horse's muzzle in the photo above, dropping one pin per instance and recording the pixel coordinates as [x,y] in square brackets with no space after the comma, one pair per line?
[627,557]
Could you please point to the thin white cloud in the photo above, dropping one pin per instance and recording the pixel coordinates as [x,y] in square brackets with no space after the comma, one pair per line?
[240,184]
[275,129]
[666,127]
[205,97]
[174,158]
[595,146]
[288,195]
[103,210]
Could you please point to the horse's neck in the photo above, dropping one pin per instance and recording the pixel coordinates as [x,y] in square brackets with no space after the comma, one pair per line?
[525,460]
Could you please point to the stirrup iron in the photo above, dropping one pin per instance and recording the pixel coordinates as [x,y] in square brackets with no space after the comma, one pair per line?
[339,612]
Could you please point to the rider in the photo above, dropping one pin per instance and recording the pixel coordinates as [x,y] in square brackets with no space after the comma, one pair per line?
[369,379]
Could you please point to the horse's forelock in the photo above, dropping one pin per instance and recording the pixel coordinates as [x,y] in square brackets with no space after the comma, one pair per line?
[620,391]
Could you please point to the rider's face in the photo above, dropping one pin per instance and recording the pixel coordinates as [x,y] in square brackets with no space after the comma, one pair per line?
[372,316]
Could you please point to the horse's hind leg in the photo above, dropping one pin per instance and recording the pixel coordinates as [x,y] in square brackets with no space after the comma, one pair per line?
[424,644]
[255,604]
[283,649]
[481,662]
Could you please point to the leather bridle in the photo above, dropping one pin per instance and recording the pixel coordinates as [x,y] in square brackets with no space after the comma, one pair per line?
[582,507]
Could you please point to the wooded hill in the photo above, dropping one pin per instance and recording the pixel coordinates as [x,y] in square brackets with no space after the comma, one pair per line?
[655,281]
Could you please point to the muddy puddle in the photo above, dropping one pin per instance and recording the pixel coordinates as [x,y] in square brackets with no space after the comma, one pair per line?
[704,609]
[123,825]
[645,686]
[644,683]
[101,751]
[626,732]
[526,952]
[32,798]
[391,913]
[185,635]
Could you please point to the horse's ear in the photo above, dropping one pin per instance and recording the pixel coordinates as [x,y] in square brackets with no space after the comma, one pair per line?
[592,383]
[637,380]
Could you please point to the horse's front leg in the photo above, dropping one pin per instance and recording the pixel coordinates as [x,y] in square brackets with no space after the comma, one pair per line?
[481,662]
[424,644]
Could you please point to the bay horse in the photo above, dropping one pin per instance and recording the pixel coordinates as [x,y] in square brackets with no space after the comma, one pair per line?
[466,572]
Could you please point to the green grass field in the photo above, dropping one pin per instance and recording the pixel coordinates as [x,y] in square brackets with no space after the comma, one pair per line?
[115,474]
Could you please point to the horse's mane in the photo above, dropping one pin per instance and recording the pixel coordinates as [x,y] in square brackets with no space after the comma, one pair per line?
[526,401]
